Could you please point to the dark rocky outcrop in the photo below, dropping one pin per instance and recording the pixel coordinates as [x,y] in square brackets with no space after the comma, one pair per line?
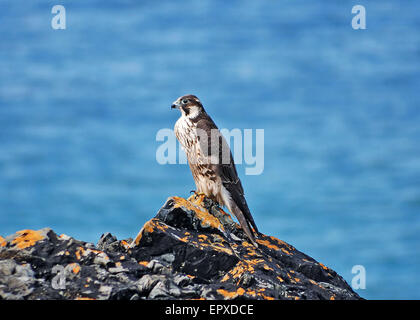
[191,250]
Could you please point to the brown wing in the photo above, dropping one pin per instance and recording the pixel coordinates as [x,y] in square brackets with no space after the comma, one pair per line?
[226,167]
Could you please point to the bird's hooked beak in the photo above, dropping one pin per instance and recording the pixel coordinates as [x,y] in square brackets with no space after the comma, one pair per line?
[175,105]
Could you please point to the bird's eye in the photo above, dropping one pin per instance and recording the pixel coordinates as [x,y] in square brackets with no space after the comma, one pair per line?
[185,101]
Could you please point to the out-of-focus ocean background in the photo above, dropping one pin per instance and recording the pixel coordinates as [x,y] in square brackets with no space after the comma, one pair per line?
[80,109]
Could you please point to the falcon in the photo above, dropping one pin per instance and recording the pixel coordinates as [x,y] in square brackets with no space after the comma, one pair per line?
[211,161]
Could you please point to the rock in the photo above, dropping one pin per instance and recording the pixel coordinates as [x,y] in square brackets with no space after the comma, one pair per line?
[191,249]
[16,281]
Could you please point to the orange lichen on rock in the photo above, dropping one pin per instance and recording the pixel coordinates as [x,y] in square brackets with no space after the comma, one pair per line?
[268,244]
[250,249]
[221,248]
[255,261]
[94,251]
[316,284]
[251,253]
[184,239]
[282,243]
[230,294]
[266,267]
[149,227]
[241,291]
[75,268]
[27,238]
[125,244]
[285,251]
[247,266]
[239,269]
[84,298]
[79,252]
[205,242]
[205,217]
[144,263]
[247,244]
[225,278]
[323,267]
[2,242]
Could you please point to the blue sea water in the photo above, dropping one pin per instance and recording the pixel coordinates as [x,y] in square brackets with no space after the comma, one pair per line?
[80,109]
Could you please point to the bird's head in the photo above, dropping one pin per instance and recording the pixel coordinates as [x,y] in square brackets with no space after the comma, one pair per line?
[189,105]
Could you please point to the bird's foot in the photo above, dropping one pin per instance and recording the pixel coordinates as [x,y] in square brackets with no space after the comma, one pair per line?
[197,197]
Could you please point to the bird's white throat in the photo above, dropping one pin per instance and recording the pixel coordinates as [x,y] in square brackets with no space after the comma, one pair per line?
[193,112]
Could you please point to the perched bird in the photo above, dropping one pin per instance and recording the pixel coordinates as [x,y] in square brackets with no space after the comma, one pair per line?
[211,161]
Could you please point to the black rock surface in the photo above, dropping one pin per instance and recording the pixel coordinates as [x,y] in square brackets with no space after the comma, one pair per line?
[191,250]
